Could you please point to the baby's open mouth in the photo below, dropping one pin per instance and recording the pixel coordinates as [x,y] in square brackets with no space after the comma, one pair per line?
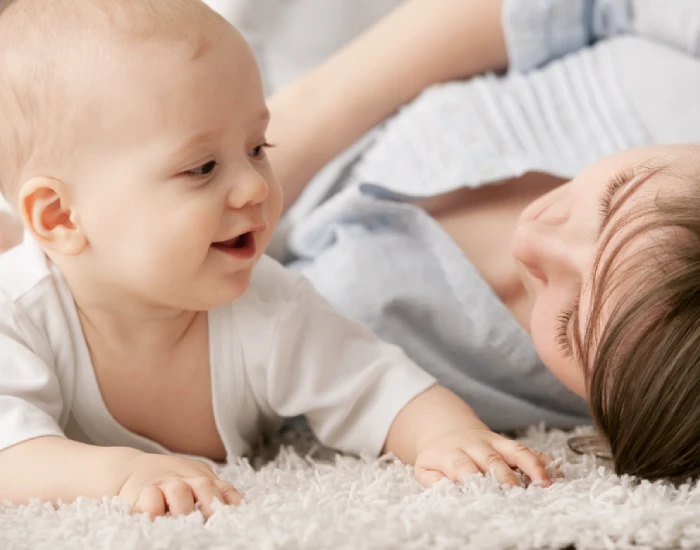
[242,241]
[241,247]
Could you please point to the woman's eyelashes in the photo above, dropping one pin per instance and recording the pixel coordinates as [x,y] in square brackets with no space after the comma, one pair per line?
[562,331]
[564,320]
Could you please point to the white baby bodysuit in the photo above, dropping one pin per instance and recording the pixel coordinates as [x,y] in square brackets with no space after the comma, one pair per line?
[278,351]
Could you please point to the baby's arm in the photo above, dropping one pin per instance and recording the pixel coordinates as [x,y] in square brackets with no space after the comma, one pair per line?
[37,461]
[439,433]
[360,394]
[54,468]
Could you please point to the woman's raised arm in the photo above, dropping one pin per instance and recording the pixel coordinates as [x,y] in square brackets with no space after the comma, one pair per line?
[420,43]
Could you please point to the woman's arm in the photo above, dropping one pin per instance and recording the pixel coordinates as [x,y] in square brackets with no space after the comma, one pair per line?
[420,43]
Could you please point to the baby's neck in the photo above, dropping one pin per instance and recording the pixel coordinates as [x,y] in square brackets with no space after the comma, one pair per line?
[142,332]
[122,321]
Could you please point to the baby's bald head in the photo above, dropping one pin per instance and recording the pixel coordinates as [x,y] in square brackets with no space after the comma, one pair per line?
[51,54]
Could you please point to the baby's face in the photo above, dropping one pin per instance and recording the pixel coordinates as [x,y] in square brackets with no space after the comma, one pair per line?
[558,236]
[175,194]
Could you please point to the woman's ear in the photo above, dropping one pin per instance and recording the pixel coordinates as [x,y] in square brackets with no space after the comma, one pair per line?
[45,207]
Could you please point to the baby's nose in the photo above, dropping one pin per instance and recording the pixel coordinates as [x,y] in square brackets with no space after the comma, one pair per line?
[249,189]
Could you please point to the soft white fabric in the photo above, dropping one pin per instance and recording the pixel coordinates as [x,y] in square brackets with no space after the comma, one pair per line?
[352,504]
[278,351]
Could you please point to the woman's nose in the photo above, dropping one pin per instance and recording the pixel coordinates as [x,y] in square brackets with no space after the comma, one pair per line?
[553,250]
[249,189]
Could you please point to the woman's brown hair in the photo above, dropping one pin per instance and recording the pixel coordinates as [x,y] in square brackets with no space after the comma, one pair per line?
[642,361]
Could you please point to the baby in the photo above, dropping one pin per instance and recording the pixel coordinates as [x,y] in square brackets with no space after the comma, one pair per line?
[144,335]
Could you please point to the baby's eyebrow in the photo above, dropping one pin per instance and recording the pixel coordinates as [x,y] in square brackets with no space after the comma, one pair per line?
[193,143]
[203,138]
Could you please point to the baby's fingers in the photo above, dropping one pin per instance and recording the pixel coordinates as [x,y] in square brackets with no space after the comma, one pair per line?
[205,492]
[489,460]
[151,501]
[454,465]
[179,497]
[428,478]
[231,496]
[530,462]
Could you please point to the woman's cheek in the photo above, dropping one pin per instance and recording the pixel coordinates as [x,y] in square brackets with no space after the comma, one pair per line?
[543,330]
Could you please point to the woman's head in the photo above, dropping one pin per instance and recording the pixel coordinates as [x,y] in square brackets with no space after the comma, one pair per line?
[612,264]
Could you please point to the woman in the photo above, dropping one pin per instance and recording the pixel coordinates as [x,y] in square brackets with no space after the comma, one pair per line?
[419,248]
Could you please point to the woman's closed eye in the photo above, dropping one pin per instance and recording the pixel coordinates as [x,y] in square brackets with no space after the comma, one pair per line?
[202,170]
[563,323]
[614,184]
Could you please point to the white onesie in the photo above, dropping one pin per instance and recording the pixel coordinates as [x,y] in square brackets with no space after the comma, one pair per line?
[278,351]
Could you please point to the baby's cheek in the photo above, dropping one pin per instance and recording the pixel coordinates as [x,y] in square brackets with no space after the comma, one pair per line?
[273,205]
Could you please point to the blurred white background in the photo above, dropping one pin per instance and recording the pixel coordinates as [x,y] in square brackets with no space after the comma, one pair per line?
[291,36]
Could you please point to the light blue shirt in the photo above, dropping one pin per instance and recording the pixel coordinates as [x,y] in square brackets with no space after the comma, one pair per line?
[586,79]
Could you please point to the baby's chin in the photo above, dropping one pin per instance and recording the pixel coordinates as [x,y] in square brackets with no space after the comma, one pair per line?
[233,287]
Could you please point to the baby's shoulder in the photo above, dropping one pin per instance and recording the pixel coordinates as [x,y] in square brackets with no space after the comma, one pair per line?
[31,302]
[272,283]
[257,315]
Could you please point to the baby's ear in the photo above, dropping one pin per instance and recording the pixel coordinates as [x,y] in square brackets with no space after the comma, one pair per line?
[45,206]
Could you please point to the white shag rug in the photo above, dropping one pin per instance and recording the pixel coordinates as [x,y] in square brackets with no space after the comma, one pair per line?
[300,500]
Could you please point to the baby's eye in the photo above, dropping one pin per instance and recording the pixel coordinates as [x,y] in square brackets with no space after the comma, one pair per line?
[203,170]
[259,151]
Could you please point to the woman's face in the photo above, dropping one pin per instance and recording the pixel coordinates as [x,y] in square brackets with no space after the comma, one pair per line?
[556,241]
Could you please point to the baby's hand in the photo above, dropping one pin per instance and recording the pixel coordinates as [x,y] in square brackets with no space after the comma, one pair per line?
[159,484]
[479,450]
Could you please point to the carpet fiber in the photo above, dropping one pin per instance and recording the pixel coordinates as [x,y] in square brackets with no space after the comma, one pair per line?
[296,501]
